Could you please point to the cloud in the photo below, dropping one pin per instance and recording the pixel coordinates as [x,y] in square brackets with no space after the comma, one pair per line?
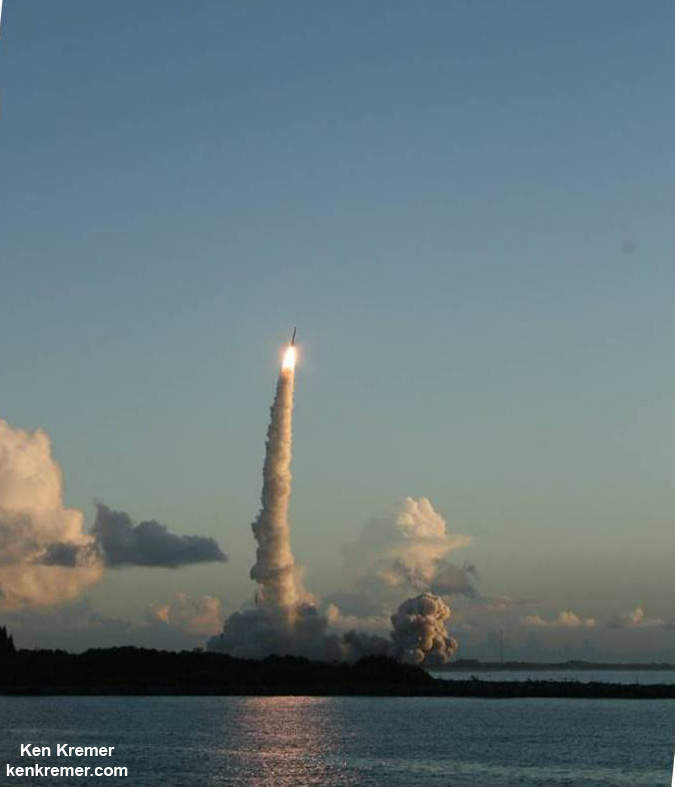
[397,554]
[635,620]
[183,622]
[32,520]
[118,542]
[71,625]
[148,544]
[566,619]
[46,556]
[202,615]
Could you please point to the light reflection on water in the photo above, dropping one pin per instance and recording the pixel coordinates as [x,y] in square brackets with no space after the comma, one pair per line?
[345,741]
[280,741]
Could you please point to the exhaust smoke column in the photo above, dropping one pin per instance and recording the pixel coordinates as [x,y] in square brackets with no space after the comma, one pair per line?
[274,570]
[286,620]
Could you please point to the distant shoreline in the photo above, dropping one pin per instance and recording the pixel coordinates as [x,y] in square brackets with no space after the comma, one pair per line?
[469,665]
[447,689]
[139,672]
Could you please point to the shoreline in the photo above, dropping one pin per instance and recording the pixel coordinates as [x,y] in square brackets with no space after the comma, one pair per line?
[129,671]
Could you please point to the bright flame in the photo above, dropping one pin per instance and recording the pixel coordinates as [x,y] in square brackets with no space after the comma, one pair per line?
[289,358]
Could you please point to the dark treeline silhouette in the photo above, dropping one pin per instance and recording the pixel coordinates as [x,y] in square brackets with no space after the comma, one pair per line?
[131,670]
[137,671]
[6,641]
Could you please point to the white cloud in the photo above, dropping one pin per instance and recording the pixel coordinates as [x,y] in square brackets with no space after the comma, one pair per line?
[565,619]
[399,553]
[32,520]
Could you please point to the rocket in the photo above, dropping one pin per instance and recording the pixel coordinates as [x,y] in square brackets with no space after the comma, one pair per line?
[293,337]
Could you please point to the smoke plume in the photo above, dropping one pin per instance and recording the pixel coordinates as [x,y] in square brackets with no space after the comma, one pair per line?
[419,635]
[286,621]
[274,570]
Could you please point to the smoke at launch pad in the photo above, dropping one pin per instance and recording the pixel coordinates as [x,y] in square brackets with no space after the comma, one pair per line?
[285,619]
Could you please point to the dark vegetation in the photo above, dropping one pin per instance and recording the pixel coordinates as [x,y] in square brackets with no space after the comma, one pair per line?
[137,671]
[6,642]
[141,671]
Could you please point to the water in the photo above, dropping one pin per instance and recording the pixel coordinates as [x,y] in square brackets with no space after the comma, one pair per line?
[583,676]
[349,741]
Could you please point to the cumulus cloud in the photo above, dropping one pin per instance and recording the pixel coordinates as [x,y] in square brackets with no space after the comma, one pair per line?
[634,620]
[565,619]
[33,519]
[400,553]
[122,543]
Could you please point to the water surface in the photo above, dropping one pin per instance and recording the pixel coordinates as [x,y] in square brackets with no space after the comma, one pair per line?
[345,741]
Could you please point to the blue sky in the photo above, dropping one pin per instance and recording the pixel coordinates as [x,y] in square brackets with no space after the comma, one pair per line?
[466,207]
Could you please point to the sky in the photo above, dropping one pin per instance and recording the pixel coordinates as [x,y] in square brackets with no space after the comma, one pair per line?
[466,208]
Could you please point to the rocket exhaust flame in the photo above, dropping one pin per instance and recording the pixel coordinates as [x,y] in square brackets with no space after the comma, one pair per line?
[289,359]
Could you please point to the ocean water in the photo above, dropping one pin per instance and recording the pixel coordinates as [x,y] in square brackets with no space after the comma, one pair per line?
[583,676]
[347,741]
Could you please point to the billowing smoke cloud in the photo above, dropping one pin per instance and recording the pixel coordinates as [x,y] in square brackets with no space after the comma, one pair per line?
[121,543]
[202,615]
[419,635]
[32,520]
[399,554]
[565,619]
[298,630]
[46,557]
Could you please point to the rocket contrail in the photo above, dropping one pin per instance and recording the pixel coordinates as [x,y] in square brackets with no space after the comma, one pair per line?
[274,570]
